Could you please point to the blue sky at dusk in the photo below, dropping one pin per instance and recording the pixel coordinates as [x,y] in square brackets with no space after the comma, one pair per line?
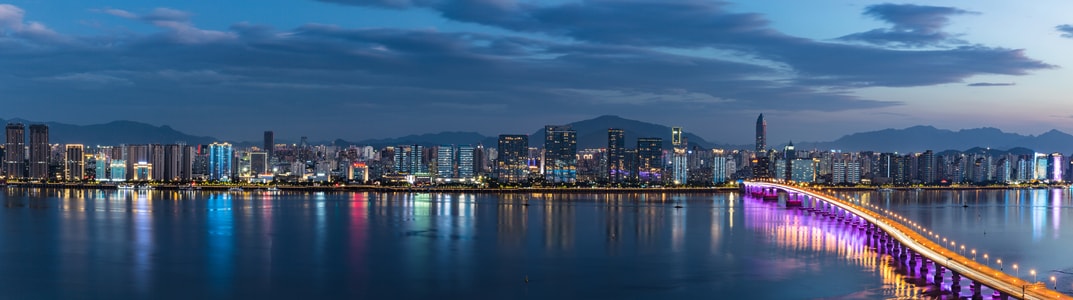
[358,69]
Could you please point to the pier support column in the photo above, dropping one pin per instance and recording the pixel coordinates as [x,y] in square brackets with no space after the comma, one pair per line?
[956,286]
[938,278]
[976,287]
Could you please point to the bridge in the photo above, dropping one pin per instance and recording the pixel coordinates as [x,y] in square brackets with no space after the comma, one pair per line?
[907,245]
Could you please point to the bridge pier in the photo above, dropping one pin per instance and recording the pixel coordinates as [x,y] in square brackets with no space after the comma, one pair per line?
[1000,295]
[938,278]
[975,286]
[956,287]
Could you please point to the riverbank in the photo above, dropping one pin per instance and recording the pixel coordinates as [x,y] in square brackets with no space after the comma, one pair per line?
[519,190]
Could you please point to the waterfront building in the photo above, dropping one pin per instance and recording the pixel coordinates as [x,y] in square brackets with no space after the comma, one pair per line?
[39,151]
[118,170]
[719,169]
[649,160]
[616,151]
[790,155]
[269,143]
[761,135]
[804,170]
[409,160]
[259,163]
[1055,167]
[219,162]
[15,150]
[466,161]
[157,159]
[445,163]
[511,158]
[75,163]
[679,158]
[358,172]
[560,154]
[143,171]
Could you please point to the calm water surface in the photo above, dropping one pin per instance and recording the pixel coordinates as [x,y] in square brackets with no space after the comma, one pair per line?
[88,244]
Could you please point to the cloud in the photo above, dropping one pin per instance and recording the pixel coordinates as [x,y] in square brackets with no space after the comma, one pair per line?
[1066,30]
[593,57]
[992,84]
[11,21]
[912,25]
[177,22]
[701,25]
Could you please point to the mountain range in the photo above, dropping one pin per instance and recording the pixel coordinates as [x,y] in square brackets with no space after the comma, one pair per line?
[592,133]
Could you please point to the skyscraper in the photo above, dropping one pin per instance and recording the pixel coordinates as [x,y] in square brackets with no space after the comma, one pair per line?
[74,165]
[791,155]
[616,141]
[270,143]
[511,161]
[445,162]
[649,159]
[761,134]
[15,150]
[220,162]
[560,154]
[465,162]
[680,159]
[39,150]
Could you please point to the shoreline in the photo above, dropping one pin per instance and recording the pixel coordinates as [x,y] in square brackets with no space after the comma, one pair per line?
[562,190]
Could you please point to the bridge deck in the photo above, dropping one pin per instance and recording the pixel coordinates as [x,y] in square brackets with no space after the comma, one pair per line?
[968,268]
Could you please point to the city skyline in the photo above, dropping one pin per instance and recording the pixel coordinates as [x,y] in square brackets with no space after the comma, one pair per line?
[707,66]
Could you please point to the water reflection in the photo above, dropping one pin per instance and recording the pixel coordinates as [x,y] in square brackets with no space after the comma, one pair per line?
[204,244]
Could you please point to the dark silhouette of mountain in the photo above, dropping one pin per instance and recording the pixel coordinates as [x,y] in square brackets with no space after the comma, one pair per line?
[592,133]
[114,133]
[920,138]
[428,139]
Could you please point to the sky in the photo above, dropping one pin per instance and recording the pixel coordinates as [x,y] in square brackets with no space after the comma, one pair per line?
[361,69]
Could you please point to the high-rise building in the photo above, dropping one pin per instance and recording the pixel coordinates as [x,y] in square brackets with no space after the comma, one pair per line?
[649,160]
[118,170]
[157,161]
[39,151]
[270,143]
[512,159]
[466,163]
[173,159]
[75,163]
[719,169]
[220,161]
[186,164]
[135,154]
[679,158]
[761,135]
[445,162]
[791,155]
[15,151]
[616,150]
[258,163]
[1055,167]
[560,154]
[409,160]
[804,170]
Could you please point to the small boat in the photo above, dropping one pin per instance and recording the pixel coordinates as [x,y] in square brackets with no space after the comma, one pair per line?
[235,189]
[125,186]
[273,189]
[144,187]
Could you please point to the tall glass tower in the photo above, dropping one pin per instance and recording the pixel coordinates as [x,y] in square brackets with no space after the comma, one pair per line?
[220,161]
[761,134]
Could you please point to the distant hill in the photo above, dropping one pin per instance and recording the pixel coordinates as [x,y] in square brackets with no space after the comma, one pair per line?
[429,139]
[920,138]
[114,133]
[592,133]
